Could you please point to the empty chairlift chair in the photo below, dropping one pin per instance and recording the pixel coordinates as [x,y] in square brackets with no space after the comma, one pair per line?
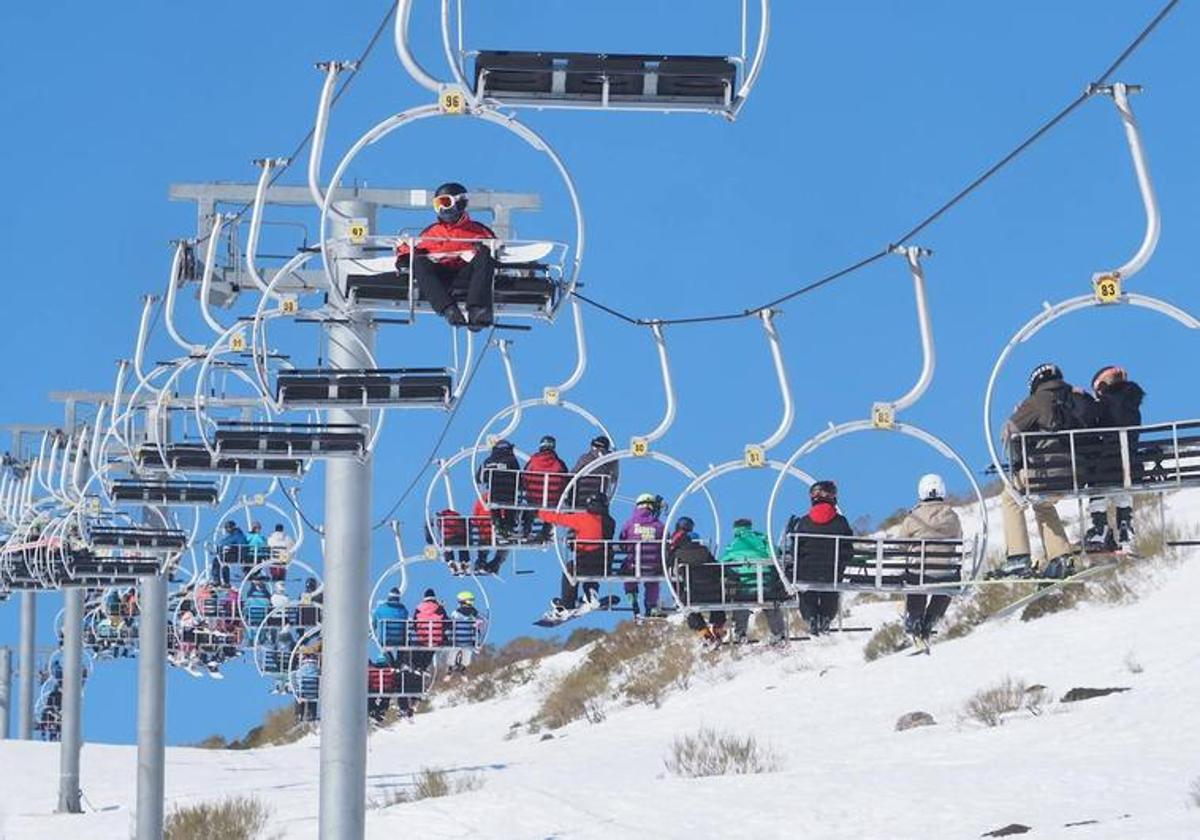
[365,388]
[290,440]
[195,458]
[171,493]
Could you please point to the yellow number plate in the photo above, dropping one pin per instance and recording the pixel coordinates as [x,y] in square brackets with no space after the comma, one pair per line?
[359,230]
[551,396]
[238,342]
[883,416]
[431,552]
[1107,288]
[260,500]
[452,101]
[756,457]
[640,447]
[289,305]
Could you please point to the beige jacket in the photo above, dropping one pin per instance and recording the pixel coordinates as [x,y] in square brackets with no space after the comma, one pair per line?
[934,520]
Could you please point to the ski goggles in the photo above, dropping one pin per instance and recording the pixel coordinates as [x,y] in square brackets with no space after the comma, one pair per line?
[445,202]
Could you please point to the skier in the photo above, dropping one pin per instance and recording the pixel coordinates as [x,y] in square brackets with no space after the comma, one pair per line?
[820,559]
[593,528]
[604,478]
[312,592]
[279,597]
[748,556]
[702,579]
[543,480]
[257,603]
[390,620]
[454,252]
[229,551]
[428,628]
[257,544]
[306,685]
[931,519]
[497,475]
[1052,406]
[452,526]
[641,539]
[486,563]
[1120,406]
[280,546]
[466,625]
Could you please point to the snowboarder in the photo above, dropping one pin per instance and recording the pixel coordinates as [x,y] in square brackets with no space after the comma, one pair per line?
[820,559]
[641,539]
[1052,406]
[543,480]
[452,527]
[454,252]
[604,478]
[932,519]
[593,528]
[1120,406]
[685,549]
[748,556]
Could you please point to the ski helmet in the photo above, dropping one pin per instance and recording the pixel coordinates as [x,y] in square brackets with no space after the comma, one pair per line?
[597,504]
[466,597]
[685,523]
[823,491]
[931,486]
[502,445]
[1106,376]
[548,442]
[645,500]
[743,523]
[450,202]
[1047,372]
[602,443]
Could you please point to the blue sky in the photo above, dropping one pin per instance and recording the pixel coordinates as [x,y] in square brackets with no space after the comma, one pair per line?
[867,116]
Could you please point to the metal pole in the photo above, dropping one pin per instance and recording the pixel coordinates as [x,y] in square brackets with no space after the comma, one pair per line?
[72,703]
[5,690]
[343,699]
[27,665]
[151,713]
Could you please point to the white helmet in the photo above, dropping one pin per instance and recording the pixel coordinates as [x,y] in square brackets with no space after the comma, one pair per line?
[931,486]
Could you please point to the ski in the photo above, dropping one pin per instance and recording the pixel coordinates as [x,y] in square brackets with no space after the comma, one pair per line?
[1049,586]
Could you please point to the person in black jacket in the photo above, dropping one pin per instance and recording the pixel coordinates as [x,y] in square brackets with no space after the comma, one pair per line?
[498,476]
[1120,406]
[1052,406]
[819,558]
[703,580]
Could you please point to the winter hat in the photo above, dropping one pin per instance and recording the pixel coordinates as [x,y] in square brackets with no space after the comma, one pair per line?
[548,442]
[502,445]
[1108,375]
[685,523]
[742,523]
[429,593]
[279,527]
[1044,373]
[823,491]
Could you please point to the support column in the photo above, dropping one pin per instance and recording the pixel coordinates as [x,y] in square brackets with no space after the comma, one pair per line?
[343,703]
[27,665]
[72,703]
[152,698]
[5,690]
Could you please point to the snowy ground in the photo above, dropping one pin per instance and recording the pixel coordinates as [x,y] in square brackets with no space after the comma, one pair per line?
[1125,761]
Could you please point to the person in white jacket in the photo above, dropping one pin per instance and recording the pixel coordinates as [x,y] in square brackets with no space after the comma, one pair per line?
[932,519]
[280,545]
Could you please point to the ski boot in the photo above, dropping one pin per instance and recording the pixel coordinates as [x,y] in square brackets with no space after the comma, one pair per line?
[632,602]
[1125,532]
[558,610]
[1017,566]
[1099,537]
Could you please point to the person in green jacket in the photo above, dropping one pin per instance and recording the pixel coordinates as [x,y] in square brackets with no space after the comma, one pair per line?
[748,555]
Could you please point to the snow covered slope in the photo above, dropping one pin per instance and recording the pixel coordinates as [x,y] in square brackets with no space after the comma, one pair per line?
[1125,761]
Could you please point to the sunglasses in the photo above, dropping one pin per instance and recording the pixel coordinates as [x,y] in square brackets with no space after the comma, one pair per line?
[445,202]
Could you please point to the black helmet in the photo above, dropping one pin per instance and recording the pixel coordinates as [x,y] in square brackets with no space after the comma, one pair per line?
[548,442]
[597,504]
[685,523]
[602,443]
[743,523]
[452,211]
[502,445]
[823,491]
[1044,373]
[310,584]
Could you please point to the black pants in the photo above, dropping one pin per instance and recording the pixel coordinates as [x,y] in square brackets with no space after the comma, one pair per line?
[927,608]
[570,591]
[436,281]
[823,604]
[482,559]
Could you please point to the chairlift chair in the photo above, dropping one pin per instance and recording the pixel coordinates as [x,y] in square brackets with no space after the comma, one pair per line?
[165,492]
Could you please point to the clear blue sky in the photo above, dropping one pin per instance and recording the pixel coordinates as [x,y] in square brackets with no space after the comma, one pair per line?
[868,115]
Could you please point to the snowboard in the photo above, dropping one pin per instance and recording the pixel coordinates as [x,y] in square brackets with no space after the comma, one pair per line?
[524,253]
[1050,586]
[605,603]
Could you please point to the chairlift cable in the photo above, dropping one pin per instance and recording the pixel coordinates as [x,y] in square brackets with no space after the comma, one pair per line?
[479,358]
[928,220]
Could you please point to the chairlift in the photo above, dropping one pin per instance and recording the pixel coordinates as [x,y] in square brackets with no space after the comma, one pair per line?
[165,492]
[886,564]
[290,440]
[1151,458]
[712,84]
[710,585]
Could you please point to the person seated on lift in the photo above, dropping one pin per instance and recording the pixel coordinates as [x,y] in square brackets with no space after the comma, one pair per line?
[454,251]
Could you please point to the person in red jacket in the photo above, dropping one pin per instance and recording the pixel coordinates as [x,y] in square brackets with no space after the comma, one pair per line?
[428,628]
[543,480]
[454,251]
[593,529]
[483,539]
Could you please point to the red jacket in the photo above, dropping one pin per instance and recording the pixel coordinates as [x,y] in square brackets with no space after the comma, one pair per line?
[441,238]
[481,518]
[453,527]
[544,490]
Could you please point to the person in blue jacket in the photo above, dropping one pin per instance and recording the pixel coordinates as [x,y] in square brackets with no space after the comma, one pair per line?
[230,548]
[390,620]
